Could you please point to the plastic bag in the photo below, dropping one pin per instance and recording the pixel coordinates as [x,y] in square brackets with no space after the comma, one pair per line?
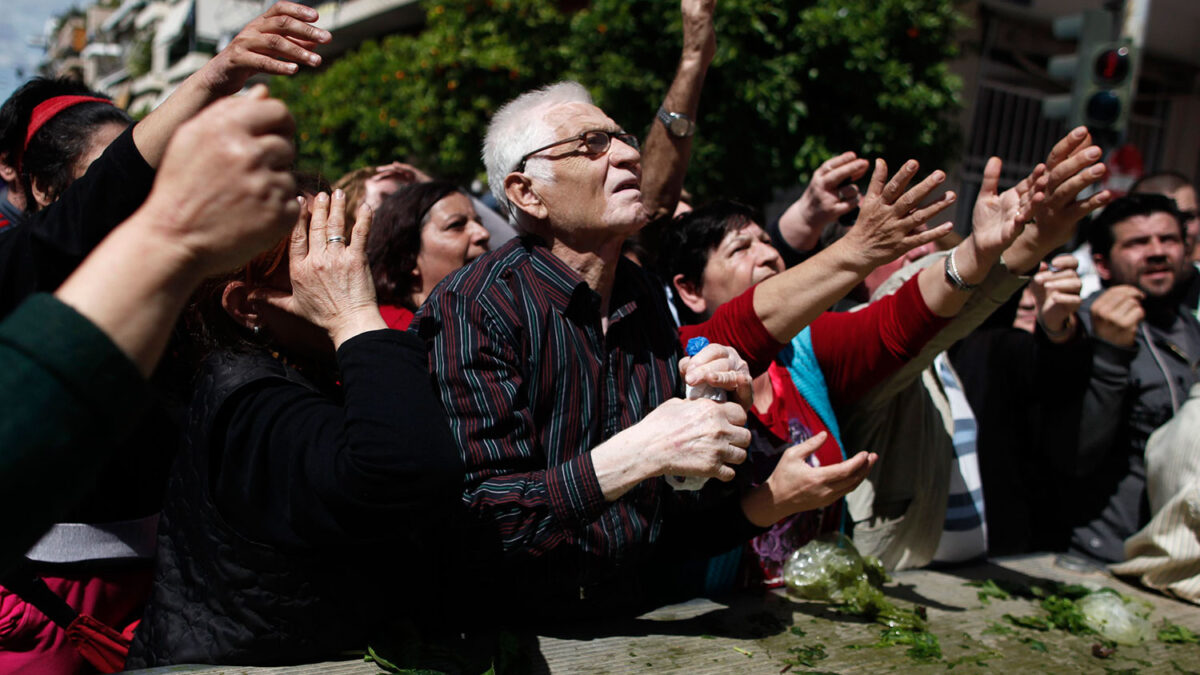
[1122,620]
[825,568]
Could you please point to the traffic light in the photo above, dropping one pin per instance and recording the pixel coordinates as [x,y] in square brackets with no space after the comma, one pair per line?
[1103,74]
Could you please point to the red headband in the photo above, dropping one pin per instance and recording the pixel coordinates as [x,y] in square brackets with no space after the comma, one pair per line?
[46,110]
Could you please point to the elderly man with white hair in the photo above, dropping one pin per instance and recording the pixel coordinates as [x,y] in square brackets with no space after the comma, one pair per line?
[560,370]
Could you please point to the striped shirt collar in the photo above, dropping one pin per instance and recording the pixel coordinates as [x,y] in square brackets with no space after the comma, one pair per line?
[570,293]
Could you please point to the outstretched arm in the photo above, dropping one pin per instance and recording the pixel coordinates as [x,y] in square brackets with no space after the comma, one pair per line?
[221,196]
[665,157]
[75,391]
[888,226]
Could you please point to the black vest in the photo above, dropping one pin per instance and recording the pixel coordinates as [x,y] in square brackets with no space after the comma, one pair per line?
[219,597]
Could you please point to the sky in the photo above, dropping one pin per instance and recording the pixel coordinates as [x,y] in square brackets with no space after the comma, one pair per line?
[20,22]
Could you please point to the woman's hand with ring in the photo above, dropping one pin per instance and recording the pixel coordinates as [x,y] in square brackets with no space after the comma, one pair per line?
[331,280]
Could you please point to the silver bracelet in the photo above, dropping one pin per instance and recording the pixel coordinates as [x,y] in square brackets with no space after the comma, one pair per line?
[952,275]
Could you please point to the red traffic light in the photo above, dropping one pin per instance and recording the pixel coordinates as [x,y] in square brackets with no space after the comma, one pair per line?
[1111,65]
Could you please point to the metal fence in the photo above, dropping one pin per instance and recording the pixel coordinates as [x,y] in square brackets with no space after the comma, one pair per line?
[1008,123]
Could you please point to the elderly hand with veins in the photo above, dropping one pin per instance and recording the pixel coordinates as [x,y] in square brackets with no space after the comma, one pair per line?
[332,286]
[721,367]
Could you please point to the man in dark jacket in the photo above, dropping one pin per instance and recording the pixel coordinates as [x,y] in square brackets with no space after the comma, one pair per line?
[1145,346]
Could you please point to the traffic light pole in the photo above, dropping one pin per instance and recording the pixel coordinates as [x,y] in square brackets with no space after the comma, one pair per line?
[1103,70]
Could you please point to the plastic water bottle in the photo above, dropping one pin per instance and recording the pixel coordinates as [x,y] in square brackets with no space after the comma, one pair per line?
[691,393]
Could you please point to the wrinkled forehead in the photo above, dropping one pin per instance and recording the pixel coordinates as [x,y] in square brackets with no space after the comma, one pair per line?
[568,119]
[1157,223]
[738,227]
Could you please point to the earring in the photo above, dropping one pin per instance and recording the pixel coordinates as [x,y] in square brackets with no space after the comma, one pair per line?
[256,329]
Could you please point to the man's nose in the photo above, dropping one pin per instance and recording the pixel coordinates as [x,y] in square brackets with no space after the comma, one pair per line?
[621,153]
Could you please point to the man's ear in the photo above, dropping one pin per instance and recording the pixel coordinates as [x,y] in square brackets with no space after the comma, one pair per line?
[690,294]
[519,189]
[1102,268]
[236,302]
[42,197]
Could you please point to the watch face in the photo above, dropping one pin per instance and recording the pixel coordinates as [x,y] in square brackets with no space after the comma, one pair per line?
[680,126]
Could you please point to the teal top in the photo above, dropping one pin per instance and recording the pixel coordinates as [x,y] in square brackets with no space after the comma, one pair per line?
[806,374]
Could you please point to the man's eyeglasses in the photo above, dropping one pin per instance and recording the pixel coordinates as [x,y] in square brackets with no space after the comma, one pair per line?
[594,142]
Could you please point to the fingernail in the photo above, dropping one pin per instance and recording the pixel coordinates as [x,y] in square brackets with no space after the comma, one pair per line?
[1079,132]
[322,197]
[1092,153]
[950,196]
[338,194]
[939,176]
[1097,170]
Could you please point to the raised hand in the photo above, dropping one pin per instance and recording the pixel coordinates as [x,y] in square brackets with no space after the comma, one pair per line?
[699,36]
[824,200]
[1116,315]
[1073,165]
[795,485]
[332,285]
[891,216]
[224,190]
[277,42]
[997,220]
[405,173]
[1056,290]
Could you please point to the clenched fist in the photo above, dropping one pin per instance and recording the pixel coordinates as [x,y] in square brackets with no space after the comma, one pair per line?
[1116,315]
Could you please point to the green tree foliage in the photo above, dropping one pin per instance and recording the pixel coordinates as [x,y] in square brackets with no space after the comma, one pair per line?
[792,84]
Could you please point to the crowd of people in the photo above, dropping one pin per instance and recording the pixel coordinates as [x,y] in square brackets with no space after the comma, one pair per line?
[256,419]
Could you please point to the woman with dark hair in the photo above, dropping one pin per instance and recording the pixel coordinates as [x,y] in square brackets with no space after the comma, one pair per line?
[316,466]
[422,233]
[51,131]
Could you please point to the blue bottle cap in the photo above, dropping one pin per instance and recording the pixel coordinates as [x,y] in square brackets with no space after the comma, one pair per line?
[695,345]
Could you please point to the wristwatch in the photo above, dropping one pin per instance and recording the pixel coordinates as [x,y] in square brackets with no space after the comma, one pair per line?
[677,124]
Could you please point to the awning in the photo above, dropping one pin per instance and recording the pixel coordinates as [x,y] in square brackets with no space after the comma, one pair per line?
[153,13]
[126,9]
[174,23]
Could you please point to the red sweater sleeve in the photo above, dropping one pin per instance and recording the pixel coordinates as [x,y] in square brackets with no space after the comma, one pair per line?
[858,350]
[736,325]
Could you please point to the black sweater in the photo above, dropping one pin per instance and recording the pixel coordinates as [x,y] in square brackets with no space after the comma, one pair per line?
[295,522]
[41,253]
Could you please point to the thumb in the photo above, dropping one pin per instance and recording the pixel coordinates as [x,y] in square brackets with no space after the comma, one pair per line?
[808,447]
[258,91]
[991,177]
